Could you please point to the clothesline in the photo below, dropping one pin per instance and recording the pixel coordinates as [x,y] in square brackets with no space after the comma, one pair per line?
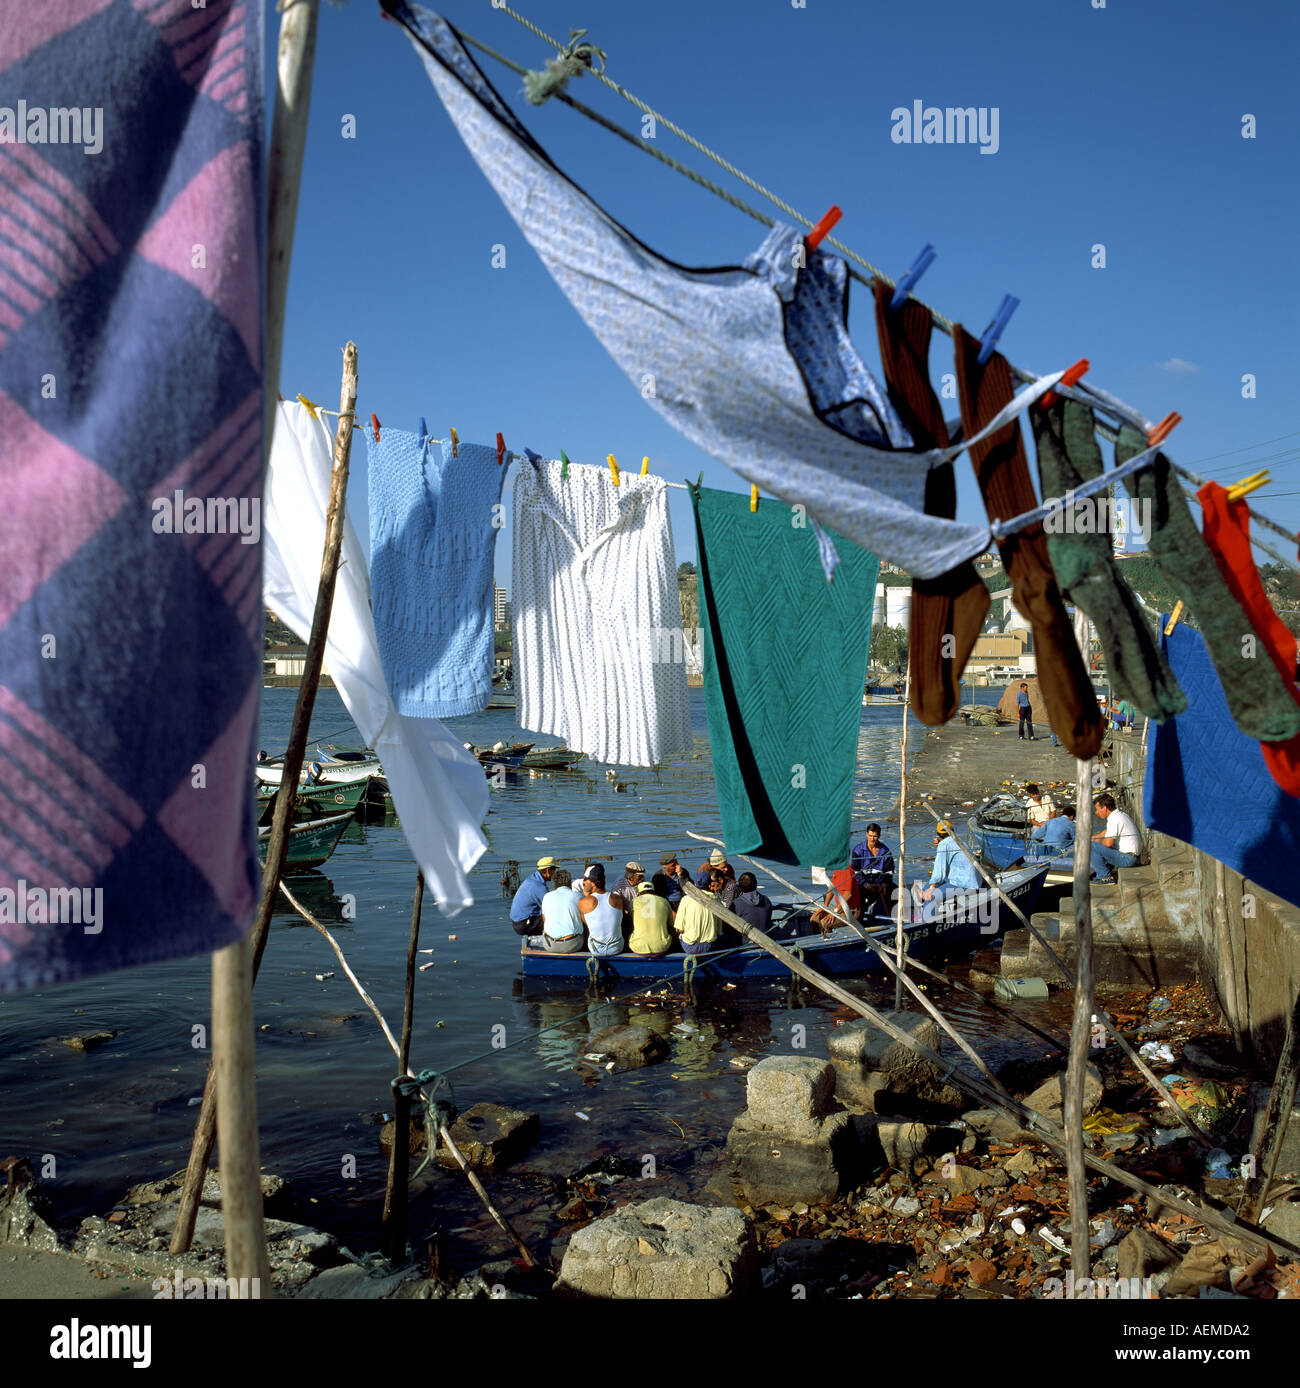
[945,324]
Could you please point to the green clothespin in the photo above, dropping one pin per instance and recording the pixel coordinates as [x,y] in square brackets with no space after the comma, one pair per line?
[564,464]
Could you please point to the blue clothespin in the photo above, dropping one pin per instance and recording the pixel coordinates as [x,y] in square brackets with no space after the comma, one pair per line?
[532,457]
[424,431]
[904,287]
[994,330]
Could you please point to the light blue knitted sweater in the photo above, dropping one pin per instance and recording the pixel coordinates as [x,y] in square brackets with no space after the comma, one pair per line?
[431,548]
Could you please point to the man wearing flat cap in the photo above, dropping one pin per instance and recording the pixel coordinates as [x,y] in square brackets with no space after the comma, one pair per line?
[667,881]
[526,908]
[625,887]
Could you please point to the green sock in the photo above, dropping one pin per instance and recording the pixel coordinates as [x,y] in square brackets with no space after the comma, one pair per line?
[1260,704]
[1068,456]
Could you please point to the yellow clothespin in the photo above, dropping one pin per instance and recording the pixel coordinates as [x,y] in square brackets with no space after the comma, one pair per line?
[1179,608]
[613,468]
[753,498]
[645,467]
[309,406]
[455,442]
[1253,483]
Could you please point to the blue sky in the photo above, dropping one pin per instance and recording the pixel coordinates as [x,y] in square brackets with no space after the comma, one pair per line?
[1120,126]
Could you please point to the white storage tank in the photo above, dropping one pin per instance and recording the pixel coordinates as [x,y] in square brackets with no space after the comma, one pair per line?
[878,607]
[898,605]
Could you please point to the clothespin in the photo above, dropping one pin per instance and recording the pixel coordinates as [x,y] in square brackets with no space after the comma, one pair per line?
[1071,377]
[1164,428]
[564,464]
[904,286]
[613,468]
[753,499]
[309,406]
[995,329]
[501,450]
[1179,608]
[374,424]
[820,232]
[424,431]
[532,457]
[455,442]
[1253,483]
[645,467]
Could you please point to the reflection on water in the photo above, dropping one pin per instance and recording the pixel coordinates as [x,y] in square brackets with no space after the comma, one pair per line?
[123,1113]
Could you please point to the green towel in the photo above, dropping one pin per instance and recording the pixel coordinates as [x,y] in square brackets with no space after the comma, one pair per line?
[785,661]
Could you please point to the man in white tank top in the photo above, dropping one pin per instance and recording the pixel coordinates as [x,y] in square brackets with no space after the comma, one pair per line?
[602,913]
[561,923]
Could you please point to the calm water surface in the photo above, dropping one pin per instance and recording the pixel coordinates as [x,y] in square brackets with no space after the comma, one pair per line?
[123,1113]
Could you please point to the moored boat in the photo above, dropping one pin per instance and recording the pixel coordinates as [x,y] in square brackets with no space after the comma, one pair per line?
[331,772]
[963,924]
[492,757]
[310,843]
[314,802]
[552,758]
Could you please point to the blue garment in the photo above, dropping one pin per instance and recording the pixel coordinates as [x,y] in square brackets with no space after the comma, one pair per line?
[754,908]
[752,363]
[1105,860]
[528,899]
[863,861]
[1022,699]
[668,887]
[132,416]
[431,548]
[952,868]
[1057,833]
[1207,783]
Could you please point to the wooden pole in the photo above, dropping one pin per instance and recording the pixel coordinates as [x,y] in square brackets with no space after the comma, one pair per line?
[205,1129]
[1080,1030]
[1046,1131]
[1222,930]
[1281,1101]
[902,840]
[399,1156]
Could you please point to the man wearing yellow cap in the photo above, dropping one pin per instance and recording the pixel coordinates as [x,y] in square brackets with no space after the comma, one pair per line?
[526,908]
[953,871]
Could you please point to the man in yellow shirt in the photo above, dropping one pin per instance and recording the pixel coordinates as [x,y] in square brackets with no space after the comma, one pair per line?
[652,918]
[695,923]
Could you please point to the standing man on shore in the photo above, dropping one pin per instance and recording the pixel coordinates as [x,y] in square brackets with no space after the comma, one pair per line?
[1026,713]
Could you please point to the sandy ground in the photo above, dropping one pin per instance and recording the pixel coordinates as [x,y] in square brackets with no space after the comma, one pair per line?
[59,1277]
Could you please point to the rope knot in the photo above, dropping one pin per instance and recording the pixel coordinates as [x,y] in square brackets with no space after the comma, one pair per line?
[577,58]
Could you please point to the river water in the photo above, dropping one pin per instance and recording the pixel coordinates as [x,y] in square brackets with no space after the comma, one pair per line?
[124,1112]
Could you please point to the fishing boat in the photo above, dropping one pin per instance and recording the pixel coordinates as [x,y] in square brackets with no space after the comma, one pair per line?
[961,925]
[311,843]
[552,758]
[331,772]
[1000,834]
[493,757]
[503,696]
[314,802]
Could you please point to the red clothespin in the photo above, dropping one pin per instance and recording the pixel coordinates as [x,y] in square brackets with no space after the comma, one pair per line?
[374,424]
[501,450]
[1164,428]
[820,232]
[1071,377]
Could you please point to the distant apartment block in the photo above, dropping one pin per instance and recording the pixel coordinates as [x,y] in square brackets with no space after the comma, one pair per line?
[500,609]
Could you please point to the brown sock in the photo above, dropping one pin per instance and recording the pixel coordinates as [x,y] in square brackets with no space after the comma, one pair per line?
[948,611]
[1003,472]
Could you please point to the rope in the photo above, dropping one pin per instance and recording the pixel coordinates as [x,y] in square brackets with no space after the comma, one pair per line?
[944,323]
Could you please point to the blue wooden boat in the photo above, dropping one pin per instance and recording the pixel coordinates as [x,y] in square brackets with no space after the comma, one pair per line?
[310,843]
[1003,847]
[962,925]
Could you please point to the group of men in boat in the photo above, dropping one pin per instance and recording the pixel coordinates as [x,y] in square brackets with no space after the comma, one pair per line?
[651,918]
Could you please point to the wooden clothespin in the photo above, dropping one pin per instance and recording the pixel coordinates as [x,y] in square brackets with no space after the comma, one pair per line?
[374,424]
[501,450]
[820,232]
[753,498]
[613,468]
[455,442]
[1071,377]
[1179,609]
[1253,483]
[645,467]
[1164,428]
[309,406]
[564,464]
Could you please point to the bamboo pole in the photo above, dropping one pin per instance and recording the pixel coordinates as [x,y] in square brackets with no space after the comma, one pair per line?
[1046,1131]
[1227,954]
[902,840]
[1080,1030]
[1103,1017]
[399,1156]
[205,1129]
[399,1137]
[1281,1102]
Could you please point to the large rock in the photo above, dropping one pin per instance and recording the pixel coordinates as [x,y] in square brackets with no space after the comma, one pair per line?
[630,1045]
[771,1168]
[790,1094]
[416,1140]
[993,1124]
[490,1137]
[1048,1099]
[661,1249]
[876,1074]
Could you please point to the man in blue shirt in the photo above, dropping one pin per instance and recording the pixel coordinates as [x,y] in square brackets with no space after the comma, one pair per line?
[1057,833]
[526,908]
[1026,711]
[953,871]
[874,865]
[667,881]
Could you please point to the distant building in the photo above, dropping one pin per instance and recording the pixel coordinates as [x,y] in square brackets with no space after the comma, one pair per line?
[500,609]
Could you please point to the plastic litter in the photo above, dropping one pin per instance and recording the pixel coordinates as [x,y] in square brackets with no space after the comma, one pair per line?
[1019,989]
[1167,1135]
[1018,1226]
[1049,1237]
[1158,1004]
[586,1118]
[1218,1163]
[1103,1233]
[1157,1050]
[1106,1120]
[320,978]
